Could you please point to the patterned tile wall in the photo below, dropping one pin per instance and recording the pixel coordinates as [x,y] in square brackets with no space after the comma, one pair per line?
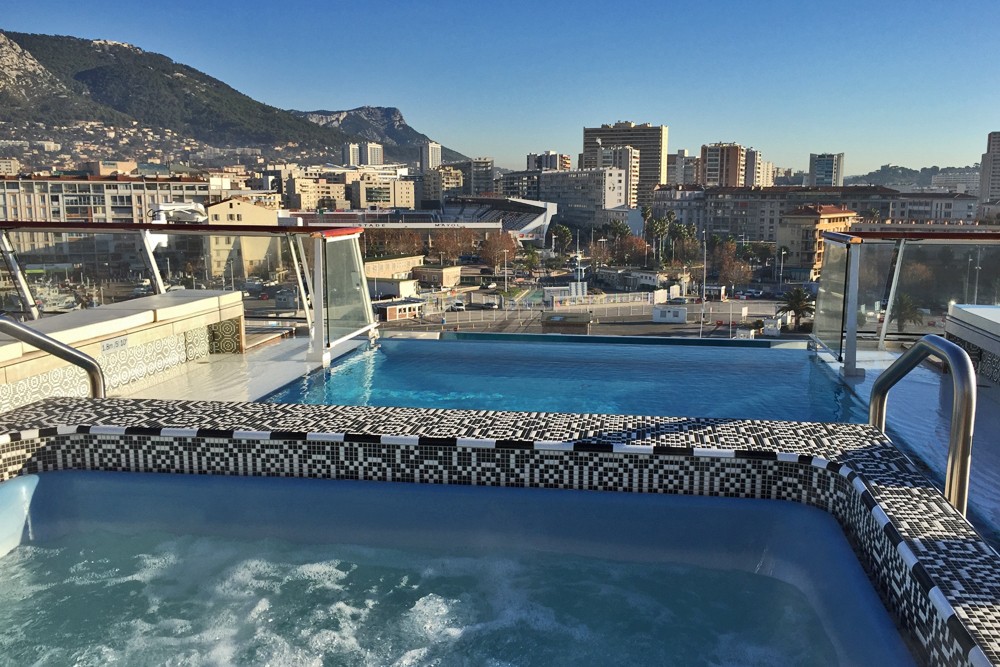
[227,337]
[120,366]
[928,564]
[986,363]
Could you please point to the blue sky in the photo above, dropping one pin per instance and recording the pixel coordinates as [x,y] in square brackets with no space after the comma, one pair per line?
[907,83]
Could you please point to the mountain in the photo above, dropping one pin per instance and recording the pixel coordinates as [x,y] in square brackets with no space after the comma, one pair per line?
[384,125]
[52,80]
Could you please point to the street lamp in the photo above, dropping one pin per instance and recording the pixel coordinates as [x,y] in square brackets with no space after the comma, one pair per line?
[781,274]
[505,271]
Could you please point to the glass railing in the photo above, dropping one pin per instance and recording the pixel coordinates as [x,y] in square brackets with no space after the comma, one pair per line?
[905,283]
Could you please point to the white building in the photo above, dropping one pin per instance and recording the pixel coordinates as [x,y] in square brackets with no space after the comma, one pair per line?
[826,169]
[758,172]
[430,156]
[372,153]
[351,155]
[627,159]
[584,195]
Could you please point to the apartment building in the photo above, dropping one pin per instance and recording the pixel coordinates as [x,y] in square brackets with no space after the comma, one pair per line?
[548,161]
[934,207]
[967,182]
[430,156]
[683,169]
[519,184]
[723,165]
[442,183]
[371,192]
[754,214]
[351,155]
[10,166]
[627,159]
[92,199]
[989,171]
[583,195]
[759,172]
[826,169]
[477,175]
[649,140]
[372,153]
[801,235]
[315,193]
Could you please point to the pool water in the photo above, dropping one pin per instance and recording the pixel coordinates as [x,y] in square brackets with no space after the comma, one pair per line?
[177,569]
[669,380]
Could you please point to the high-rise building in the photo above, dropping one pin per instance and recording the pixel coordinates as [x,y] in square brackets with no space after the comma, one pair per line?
[441,183]
[826,169]
[371,153]
[430,156]
[989,170]
[723,165]
[627,159]
[759,172]
[548,161]
[351,155]
[477,175]
[649,140]
[683,169]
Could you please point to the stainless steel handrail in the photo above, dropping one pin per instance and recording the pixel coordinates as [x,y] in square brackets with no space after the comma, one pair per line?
[25,334]
[963,407]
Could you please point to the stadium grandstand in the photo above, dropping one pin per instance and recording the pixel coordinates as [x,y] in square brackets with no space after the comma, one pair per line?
[527,221]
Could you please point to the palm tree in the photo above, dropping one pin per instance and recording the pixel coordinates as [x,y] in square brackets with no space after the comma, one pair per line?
[797,302]
[905,311]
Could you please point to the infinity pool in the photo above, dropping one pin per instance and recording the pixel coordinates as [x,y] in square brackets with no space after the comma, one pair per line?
[674,380]
[178,569]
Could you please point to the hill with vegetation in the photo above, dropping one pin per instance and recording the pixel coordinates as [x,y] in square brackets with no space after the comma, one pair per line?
[59,79]
[890,175]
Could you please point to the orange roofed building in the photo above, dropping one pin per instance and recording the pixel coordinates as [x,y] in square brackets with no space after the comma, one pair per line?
[800,233]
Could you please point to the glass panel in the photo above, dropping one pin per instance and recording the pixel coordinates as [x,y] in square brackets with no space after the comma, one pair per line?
[829,317]
[346,307]
[874,280]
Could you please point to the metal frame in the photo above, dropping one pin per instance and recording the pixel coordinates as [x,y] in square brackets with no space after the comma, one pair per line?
[963,408]
[56,348]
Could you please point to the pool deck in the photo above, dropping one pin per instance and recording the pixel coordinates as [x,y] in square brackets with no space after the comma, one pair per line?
[921,554]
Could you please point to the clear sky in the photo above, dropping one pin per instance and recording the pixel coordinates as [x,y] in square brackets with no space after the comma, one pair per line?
[912,83]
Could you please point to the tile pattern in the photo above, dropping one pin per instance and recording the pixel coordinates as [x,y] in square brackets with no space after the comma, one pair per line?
[986,363]
[924,559]
[121,366]
[226,337]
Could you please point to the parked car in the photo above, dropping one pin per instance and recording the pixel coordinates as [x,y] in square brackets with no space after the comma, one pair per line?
[458,306]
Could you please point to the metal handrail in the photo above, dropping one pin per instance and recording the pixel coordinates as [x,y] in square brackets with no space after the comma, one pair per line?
[25,334]
[963,407]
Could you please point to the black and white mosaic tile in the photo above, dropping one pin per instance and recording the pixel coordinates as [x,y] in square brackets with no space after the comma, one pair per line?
[934,572]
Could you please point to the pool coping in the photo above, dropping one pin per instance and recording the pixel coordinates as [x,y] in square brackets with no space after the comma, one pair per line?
[938,576]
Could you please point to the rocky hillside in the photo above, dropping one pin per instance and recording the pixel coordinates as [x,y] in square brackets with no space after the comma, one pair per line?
[54,79]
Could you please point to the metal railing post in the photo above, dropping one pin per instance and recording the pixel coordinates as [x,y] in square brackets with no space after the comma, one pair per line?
[963,408]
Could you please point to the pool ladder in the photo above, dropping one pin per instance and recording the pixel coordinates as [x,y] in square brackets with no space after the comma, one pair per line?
[26,334]
[963,407]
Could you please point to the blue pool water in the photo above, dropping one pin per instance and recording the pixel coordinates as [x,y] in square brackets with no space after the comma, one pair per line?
[179,569]
[670,380]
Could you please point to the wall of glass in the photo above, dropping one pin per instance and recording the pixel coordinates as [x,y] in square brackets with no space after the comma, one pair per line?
[346,306]
[829,317]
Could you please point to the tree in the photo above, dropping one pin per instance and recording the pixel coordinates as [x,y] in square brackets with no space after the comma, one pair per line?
[904,311]
[656,230]
[732,271]
[492,249]
[562,237]
[797,303]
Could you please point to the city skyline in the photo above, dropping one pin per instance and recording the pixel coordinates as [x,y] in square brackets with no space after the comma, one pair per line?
[891,83]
